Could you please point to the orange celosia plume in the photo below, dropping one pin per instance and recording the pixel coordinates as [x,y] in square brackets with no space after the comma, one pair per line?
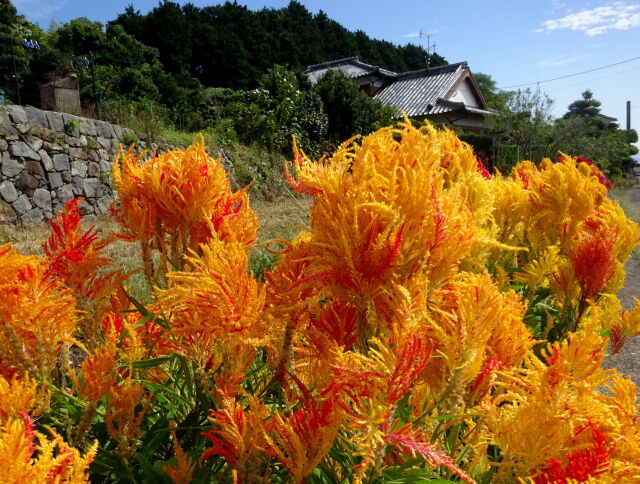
[37,315]
[177,201]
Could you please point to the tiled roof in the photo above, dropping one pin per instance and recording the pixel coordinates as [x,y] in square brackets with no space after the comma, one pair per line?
[350,67]
[418,93]
[444,106]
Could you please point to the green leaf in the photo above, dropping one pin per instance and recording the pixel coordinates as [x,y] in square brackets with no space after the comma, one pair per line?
[151,474]
[151,363]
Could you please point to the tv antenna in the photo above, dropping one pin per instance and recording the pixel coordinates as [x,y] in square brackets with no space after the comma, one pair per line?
[431,47]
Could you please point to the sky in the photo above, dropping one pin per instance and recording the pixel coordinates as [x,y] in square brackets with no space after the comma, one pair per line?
[516,42]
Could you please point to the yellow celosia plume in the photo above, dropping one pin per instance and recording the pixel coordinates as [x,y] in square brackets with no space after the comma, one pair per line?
[372,229]
[29,456]
[214,305]
[21,395]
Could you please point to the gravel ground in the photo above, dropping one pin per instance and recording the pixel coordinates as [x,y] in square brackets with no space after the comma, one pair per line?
[628,360]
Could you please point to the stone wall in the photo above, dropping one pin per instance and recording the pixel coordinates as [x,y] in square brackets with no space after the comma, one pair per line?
[48,158]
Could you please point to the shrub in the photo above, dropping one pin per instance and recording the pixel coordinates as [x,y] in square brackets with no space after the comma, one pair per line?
[71,125]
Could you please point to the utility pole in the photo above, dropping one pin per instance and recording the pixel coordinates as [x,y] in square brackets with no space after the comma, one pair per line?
[430,46]
[15,72]
[628,115]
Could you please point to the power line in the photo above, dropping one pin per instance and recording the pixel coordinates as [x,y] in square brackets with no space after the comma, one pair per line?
[571,75]
[593,79]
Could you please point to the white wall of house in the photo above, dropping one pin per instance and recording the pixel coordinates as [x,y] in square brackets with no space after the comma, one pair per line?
[464,94]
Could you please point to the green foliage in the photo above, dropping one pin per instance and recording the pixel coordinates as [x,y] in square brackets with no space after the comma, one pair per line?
[71,125]
[229,45]
[13,29]
[494,98]
[586,107]
[583,131]
[255,164]
[525,122]
[524,128]
[349,110]
[129,138]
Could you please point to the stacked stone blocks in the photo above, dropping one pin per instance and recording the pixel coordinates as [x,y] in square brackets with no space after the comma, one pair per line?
[48,158]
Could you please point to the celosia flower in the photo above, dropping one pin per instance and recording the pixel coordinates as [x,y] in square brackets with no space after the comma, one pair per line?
[483,170]
[413,442]
[581,464]
[73,257]
[29,456]
[593,262]
[372,229]
[628,326]
[126,407]
[301,439]
[78,260]
[216,304]
[553,400]
[98,370]
[175,202]
[594,170]
[386,374]
[37,316]
[97,377]
[21,395]
[471,322]
[337,321]
[181,472]
[238,435]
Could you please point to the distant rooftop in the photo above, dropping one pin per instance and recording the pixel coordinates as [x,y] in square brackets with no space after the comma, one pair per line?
[349,66]
[417,93]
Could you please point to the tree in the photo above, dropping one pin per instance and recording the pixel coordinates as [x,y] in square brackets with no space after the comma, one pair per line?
[349,110]
[583,132]
[586,107]
[8,16]
[14,28]
[495,98]
[525,122]
[229,45]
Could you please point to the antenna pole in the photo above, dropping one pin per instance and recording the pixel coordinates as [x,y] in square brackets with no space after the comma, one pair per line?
[431,48]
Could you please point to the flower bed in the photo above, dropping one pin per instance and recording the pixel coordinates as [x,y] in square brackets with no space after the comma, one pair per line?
[432,322]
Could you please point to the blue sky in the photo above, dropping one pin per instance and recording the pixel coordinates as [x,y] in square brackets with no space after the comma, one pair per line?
[514,41]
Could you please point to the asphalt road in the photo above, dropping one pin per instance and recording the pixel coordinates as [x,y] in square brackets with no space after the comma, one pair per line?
[628,360]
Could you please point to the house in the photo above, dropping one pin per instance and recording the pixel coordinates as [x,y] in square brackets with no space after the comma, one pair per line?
[608,121]
[444,95]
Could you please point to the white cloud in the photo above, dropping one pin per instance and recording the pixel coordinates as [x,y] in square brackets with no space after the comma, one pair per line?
[559,61]
[617,16]
[39,10]
[555,6]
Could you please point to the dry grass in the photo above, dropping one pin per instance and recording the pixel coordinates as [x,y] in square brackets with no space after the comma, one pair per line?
[281,218]
[26,239]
